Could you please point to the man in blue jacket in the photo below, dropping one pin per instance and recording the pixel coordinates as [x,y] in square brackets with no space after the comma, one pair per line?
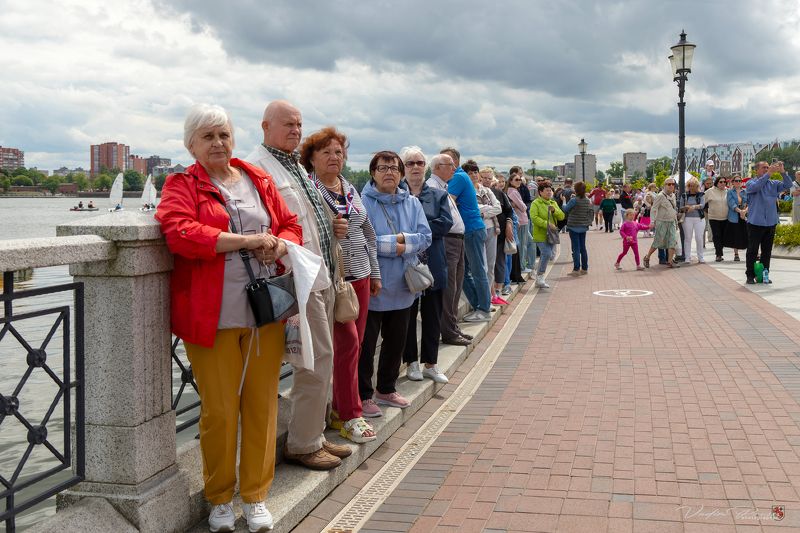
[476,282]
[762,215]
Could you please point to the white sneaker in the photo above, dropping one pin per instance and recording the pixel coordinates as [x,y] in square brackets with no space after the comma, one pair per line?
[526,271]
[221,518]
[258,517]
[435,374]
[413,373]
[541,283]
[478,316]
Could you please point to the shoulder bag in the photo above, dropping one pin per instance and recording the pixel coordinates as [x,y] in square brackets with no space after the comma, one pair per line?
[510,247]
[345,305]
[271,299]
[418,276]
[552,233]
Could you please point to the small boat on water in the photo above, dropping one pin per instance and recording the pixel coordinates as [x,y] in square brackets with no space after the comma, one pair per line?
[115,197]
[84,209]
[149,195]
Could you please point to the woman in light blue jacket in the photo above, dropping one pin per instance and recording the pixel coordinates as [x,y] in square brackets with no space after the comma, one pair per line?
[736,231]
[402,233]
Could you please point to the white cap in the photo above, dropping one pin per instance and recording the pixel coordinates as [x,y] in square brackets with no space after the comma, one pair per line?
[710,162]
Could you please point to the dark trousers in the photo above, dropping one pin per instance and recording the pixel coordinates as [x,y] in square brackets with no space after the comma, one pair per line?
[430,305]
[392,327]
[516,270]
[454,249]
[758,236]
[608,219]
[718,234]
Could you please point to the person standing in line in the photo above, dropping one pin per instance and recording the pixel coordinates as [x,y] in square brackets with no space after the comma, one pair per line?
[716,201]
[580,215]
[693,223]
[736,228]
[597,195]
[515,185]
[762,216]
[795,198]
[442,169]
[544,216]
[282,125]
[436,206]
[489,207]
[476,285]
[608,207]
[505,226]
[664,218]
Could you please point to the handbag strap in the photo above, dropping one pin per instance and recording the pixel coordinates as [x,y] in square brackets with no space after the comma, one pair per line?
[388,218]
[243,253]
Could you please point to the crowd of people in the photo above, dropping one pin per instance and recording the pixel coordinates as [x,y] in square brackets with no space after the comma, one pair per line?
[286,210]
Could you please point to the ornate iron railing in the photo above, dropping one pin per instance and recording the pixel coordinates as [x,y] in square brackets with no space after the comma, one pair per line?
[36,486]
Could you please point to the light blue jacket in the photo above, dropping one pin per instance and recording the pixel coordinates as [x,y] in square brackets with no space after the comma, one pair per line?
[407,217]
[762,195]
[733,216]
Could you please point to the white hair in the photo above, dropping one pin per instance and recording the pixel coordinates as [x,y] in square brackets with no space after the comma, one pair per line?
[204,116]
[409,151]
[439,158]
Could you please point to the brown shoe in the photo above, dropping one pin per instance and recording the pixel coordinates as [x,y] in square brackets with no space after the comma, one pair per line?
[337,450]
[318,460]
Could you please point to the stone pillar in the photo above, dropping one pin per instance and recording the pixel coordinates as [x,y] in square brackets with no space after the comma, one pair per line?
[130,424]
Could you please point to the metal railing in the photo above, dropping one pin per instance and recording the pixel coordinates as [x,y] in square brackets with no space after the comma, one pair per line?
[36,357]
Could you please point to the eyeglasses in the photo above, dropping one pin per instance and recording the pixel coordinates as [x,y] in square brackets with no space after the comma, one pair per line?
[383,169]
[737,181]
[446,165]
[415,163]
[669,185]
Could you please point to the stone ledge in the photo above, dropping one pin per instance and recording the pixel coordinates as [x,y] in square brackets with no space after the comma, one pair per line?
[119,226]
[784,252]
[296,491]
[19,254]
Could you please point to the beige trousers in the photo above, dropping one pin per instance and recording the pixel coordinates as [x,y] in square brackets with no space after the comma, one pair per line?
[310,389]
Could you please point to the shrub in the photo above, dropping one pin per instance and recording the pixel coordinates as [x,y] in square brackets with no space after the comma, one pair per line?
[784,206]
[787,235]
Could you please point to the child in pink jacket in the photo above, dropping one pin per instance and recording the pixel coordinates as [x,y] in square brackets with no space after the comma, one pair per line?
[629,231]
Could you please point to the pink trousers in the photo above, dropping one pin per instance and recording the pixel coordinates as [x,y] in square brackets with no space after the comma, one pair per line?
[347,340]
[625,247]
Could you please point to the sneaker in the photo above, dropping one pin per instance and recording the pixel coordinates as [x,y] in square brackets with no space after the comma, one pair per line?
[506,290]
[392,400]
[751,281]
[318,460]
[356,429]
[541,283]
[435,374]
[616,265]
[337,450]
[370,409]
[477,316]
[412,371]
[639,267]
[574,273]
[500,301]
[258,517]
[222,518]
[584,272]
[526,270]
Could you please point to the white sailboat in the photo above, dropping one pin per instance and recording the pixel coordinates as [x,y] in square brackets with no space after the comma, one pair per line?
[149,195]
[115,197]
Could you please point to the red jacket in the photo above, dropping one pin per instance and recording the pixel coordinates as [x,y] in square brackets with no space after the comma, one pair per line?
[192,218]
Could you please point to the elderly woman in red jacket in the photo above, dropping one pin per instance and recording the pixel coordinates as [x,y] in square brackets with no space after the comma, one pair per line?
[219,206]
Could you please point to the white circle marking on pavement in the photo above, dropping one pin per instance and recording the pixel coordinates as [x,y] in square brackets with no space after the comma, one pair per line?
[623,293]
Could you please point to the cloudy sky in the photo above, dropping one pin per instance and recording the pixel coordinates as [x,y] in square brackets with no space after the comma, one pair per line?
[505,81]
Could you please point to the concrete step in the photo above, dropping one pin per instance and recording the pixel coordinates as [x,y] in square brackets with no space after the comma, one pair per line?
[296,491]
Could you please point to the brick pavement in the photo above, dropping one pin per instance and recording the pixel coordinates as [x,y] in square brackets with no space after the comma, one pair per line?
[671,412]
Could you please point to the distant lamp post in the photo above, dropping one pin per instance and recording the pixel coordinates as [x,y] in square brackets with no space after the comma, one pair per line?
[681,62]
[582,150]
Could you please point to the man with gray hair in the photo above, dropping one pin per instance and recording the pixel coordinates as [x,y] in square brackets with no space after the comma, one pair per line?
[442,168]
[306,445]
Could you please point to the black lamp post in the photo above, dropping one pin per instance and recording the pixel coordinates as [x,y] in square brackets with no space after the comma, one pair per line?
[582,150]
[681,61]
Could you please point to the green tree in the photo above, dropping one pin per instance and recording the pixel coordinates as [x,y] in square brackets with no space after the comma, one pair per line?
[656,166]
[36,176]
[22,181]
[134,181]
[639,183]
[81,181]
[159,180]
[51,183]
[358,178]
[789,155]
[102,182]
[548,174]
[616,170]
[600,176]
[20,171]
[5,183]
[661,177]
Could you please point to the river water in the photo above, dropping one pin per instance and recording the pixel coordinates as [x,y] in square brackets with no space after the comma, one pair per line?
[24,218]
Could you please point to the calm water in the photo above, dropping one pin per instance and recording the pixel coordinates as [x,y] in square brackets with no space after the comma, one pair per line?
[20,219]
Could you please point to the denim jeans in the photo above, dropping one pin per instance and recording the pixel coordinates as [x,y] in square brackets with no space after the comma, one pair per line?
[524,237]
[580,258]
[545,251]
[476,283]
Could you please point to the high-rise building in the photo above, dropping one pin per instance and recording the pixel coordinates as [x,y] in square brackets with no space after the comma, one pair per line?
[590,163]
[109,155]
[11,158]
[157,161]
[139,164]
[635,164]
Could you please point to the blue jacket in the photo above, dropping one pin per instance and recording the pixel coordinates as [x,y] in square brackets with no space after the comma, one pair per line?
[461,187]
[437,211]
[408,218]
[762,197]
[733,216]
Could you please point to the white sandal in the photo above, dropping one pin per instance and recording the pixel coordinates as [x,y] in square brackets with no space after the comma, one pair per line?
[354,430]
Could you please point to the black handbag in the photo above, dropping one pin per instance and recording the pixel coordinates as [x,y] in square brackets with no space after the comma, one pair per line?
[271,299]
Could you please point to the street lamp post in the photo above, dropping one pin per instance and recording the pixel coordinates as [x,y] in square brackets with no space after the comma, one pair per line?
[582,149]
[681,62]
